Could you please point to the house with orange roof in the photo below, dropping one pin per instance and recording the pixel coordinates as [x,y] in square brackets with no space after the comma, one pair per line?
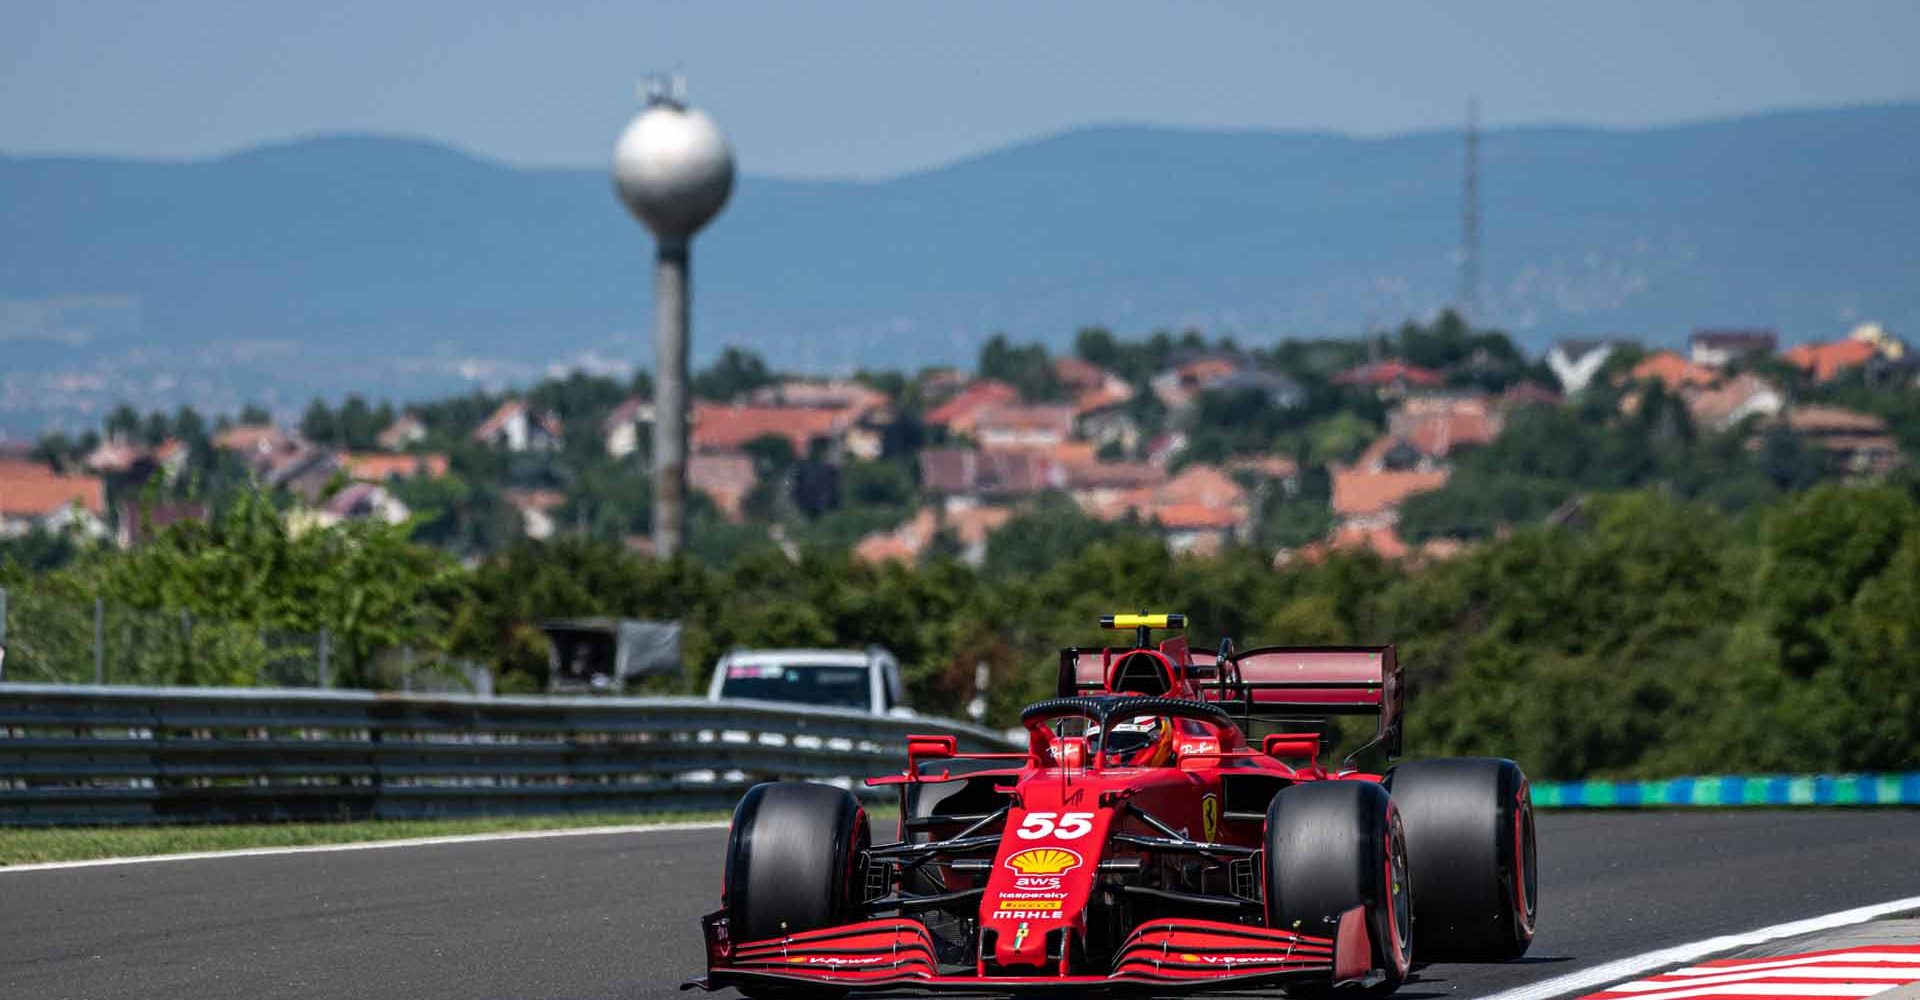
[517,427]
[258,445]
[1390,378]
[970,528]
[34,497]
[624,427]
[130,461]
[1671,370]
[866,423]
[1178,386]
[1825,361]
[378,467]
[1436,425]
[1181,386]
[1724,405]
[728,427]
[1371,497]
[1026,425]
[537,509]
[406,431]
[1200,509]
[959,415]
[963,477]
[726,479]
[1860,442]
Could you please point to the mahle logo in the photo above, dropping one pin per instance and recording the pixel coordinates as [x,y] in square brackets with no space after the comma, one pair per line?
[1044,861]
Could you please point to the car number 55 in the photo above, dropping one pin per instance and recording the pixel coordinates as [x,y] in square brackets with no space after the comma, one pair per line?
[1065,826]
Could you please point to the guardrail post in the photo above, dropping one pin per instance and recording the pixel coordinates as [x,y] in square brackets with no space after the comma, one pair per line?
[99,641]
[186,646]
[326,668]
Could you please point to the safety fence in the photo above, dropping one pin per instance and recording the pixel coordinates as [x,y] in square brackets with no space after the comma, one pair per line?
[59,639]
[1732,791]
[87,754]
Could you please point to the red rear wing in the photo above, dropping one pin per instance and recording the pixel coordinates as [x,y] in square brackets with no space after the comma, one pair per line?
[1275,682]
[1292,682]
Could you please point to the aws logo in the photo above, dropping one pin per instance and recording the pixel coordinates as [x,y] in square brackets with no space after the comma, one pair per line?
[1044,861]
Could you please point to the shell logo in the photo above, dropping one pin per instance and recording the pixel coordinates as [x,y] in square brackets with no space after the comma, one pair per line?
[1044,861]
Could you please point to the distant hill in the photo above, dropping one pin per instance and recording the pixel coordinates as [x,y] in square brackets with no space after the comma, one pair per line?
[400,265]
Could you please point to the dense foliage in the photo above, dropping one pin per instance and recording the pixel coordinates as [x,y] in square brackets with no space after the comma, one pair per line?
[1646,636]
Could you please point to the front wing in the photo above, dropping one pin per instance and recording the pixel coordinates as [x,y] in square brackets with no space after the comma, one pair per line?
[1190,955]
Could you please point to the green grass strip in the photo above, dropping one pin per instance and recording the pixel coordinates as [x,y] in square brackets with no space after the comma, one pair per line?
[30,845]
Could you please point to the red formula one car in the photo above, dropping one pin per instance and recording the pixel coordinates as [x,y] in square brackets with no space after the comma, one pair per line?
[1142,843]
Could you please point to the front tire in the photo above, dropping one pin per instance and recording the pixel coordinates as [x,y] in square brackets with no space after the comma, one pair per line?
[1470,845]
[1332,846]
[793,860]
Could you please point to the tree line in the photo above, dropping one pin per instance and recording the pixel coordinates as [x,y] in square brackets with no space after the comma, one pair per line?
[1644,635]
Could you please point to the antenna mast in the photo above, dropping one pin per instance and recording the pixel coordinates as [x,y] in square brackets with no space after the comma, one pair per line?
[1469,304]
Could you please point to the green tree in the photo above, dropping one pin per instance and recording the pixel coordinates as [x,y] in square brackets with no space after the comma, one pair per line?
[1027,368]
[735,373]
[318,424]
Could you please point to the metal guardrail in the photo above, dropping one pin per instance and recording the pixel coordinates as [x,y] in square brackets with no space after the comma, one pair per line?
[86,754]
[1732,791]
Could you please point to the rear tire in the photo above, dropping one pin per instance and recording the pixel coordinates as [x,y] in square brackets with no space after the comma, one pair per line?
[1332,846]
[793,860]
[1470,848]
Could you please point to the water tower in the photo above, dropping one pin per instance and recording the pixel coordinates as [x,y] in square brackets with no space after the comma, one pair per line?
[674,170]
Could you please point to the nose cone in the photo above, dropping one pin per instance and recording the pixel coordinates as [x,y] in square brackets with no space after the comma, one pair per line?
[673,169]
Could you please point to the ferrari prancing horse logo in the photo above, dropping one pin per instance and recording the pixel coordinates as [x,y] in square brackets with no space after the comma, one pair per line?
[1210,816]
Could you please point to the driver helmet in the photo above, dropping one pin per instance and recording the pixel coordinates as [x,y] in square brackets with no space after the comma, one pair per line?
[1142,741]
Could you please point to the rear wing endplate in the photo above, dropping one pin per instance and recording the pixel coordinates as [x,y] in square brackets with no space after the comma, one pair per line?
[1295,682]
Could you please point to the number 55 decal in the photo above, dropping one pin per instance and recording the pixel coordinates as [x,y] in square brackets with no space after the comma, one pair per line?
[1071,826]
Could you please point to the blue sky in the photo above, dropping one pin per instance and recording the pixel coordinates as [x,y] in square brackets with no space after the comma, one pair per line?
[870,89]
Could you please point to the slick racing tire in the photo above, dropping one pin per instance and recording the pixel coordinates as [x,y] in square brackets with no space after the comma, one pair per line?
[1332,846]
[793,860]
[1469,823]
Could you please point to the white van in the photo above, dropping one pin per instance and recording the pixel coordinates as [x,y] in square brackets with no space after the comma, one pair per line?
[866,681]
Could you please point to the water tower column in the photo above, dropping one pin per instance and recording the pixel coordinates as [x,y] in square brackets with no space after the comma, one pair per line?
[674,171]
[671,323]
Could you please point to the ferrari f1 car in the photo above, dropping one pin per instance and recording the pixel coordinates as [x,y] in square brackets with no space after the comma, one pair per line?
[1171,827]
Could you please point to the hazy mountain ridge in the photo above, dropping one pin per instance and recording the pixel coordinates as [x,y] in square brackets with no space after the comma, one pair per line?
[361,250]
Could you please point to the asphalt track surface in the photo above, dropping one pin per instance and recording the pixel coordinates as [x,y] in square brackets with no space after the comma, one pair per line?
[615,915]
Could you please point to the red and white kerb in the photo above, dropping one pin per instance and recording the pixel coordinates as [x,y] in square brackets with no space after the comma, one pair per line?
[1851,972]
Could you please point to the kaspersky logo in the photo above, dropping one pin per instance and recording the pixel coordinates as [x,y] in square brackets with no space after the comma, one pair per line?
[1044,861]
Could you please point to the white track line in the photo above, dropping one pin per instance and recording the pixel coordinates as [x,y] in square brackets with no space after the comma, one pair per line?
[1628,968]
[365,845]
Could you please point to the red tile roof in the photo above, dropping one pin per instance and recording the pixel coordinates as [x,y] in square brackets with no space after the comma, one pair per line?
[378,468]
[721,427]
[1833,420]
[1038,418]
[1671,370]
[1391,372]
[507,411]
[961,412]
[726,479]
[30,489]
[1824,361]
[961,471]
[1356,492]
[252,439]
[1197,517]
[1080,375]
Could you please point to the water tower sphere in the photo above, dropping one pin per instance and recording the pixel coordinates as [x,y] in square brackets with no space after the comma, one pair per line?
[673,169]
